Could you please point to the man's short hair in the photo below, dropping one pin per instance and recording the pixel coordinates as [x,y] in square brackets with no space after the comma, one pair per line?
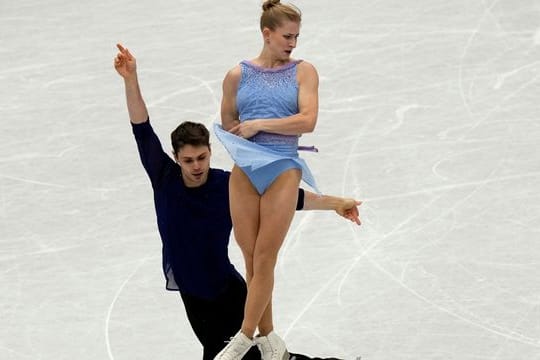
[189,133]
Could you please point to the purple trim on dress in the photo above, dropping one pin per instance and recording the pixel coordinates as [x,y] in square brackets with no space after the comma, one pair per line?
[274,69]
[308,148]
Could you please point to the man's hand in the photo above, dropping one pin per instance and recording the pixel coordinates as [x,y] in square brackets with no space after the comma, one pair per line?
[125,63]
[348,208]
[345,207]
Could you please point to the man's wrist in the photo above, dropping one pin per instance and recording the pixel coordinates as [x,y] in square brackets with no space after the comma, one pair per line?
[131,80]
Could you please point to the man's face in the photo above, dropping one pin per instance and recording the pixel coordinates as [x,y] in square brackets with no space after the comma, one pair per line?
[195,164]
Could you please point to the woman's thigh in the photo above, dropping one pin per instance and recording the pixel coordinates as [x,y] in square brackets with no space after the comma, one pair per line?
[277,208]
[244,203]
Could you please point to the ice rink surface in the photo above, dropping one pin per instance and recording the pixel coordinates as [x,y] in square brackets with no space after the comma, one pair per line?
[429,113]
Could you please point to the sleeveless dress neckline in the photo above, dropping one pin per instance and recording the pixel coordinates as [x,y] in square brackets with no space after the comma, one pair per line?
[273,69]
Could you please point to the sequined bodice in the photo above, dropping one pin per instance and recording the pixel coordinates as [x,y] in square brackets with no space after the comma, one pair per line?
[267,93]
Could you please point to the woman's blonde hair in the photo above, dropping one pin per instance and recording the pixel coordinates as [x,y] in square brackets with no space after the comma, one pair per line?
[275,13]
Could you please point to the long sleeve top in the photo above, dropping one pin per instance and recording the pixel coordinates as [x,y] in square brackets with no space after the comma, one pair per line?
[194,222]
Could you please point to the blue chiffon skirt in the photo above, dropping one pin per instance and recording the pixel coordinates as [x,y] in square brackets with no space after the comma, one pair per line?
[263,163]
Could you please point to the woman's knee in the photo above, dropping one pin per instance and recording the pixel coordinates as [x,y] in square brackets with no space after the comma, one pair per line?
[264,260]
[248,262]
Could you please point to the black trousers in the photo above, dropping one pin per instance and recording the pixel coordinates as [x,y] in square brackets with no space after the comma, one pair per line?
[216,321]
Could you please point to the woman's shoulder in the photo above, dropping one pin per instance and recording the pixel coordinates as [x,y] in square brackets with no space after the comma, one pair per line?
[306,70]
[234,72]
[233,76]
[304,65]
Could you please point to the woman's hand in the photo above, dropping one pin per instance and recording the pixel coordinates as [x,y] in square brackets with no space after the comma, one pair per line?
[245,129]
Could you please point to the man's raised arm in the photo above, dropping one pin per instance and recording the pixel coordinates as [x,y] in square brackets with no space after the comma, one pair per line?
[126,65]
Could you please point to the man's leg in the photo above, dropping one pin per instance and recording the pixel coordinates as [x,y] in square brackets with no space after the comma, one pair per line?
[214,322]
[197,311]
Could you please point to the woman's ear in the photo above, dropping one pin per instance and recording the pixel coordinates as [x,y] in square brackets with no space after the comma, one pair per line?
[266,34]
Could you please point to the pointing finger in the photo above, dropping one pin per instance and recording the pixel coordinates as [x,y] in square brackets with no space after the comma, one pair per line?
[128,54]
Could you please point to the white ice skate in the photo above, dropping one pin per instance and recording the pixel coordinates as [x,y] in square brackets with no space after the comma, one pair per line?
[272,347]
[236,348]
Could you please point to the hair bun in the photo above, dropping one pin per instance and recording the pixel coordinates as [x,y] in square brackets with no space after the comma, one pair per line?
[268,4]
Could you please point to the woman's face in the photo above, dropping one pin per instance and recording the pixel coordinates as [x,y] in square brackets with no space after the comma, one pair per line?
[282,40]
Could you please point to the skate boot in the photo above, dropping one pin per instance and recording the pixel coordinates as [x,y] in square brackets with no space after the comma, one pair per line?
[236,348]
[272,347]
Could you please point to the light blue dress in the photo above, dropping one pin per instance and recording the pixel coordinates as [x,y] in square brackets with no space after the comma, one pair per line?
[266,94]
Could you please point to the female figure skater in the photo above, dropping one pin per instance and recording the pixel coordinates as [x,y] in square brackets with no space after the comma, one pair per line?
[267,103]
[191,199]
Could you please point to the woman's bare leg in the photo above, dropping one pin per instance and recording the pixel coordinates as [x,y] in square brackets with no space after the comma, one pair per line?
[266,324]
[277,207]
[244,204]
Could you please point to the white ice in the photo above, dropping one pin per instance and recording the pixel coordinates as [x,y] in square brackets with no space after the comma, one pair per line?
[429,113]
